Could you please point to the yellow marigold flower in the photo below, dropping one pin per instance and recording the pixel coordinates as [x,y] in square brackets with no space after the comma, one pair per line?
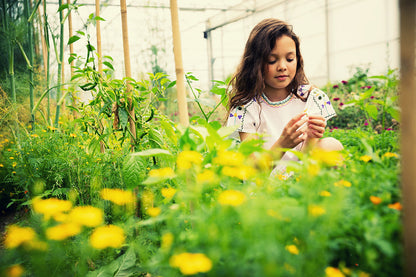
[390,155]
[333,272]
[316,210]
[1,165]
[16,236]
[231,198]
[395,206]
[241,172]
[325,193]
[330,158]
[375,200]
[206,176]
[51,206]
[87,216]
[107,236]
[34,135]
[313,169]
[167,240]
[186,159]
[165,172]
[117,196]
[73,135]
[168,193]
[292,249]
[191,263]
[63,231]
[15,271]
[153,211]
[11,158]
[365,158]
[229,158]
[342,183]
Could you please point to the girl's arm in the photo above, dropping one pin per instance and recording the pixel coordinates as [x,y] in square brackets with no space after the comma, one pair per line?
[315,131]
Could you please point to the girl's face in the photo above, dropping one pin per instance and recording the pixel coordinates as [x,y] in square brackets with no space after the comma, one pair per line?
[280,68]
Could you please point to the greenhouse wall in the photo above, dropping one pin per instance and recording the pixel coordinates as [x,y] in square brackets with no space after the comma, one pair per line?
[336,36]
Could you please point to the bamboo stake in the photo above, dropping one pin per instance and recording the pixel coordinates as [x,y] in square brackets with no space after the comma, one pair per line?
[100,65]
[31,54]
[60,58]
[98,30]
[408,129]
[127,67]
[180,75]
[43,42]
[45,25]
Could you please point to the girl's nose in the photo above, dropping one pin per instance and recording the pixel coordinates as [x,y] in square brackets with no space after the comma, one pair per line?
[281,66]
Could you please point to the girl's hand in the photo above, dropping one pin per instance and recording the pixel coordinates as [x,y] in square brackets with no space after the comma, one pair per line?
[293,133]
[316,126]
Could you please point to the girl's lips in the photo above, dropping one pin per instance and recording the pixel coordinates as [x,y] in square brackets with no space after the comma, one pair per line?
[281,77]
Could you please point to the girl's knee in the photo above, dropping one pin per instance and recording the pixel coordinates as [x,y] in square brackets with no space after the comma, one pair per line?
[330,144]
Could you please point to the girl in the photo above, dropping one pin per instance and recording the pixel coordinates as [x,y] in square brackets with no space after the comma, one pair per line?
[270,95]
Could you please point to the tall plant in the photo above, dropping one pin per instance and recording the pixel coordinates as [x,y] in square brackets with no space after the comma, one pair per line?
[60,59]
[30,58]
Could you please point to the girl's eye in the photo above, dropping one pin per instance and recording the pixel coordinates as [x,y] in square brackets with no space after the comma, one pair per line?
[271,62]
[290,60]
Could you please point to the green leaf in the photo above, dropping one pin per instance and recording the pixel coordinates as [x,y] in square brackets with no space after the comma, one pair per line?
[134,170]
[127,264]
[99,18]
[73,39]
[63,7]
[108,64]
[371,110]
[123,116]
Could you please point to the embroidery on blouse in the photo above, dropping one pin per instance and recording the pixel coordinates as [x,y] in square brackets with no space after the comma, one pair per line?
[277,104]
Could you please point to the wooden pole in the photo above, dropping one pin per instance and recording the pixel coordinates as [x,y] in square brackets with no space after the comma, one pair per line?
[180,75]
[71,51]
[408,129]
[44,49]
[127,68]
[98,30]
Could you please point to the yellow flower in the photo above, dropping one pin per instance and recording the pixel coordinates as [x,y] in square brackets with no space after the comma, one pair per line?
[15,271]
[191,263]
[330,158]
[186,159]
[390,155]
[375,200]
[325,193]
[73,135]
[63,231]
[206,176]
[1,165]
[241,172]
[165,172]
[87,216]
[34,135]
[168,193]
[313,169]
[333,272]
[154,211]
[107,236]
[167,240]
[229,158]
[51,206]
[342,183]
[16,236]
[292,249]
[231,198]
[117,196]
[316,210]
[365,158]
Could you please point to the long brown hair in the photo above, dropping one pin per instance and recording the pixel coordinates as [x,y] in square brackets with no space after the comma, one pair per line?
[248,82]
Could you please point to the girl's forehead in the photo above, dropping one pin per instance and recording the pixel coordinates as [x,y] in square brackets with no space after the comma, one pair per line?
[284,44]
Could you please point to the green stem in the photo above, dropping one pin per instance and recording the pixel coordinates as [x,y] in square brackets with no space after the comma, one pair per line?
[196,98]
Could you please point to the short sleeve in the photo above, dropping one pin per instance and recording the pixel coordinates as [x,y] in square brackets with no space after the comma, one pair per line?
[318,103]
[246,118]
